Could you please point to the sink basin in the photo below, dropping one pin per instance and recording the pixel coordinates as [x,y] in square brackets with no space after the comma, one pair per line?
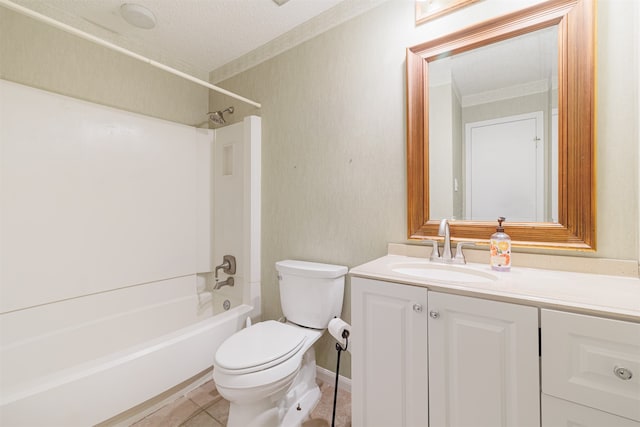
[443,273]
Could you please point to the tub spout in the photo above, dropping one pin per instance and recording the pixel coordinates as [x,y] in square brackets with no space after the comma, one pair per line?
[228,282]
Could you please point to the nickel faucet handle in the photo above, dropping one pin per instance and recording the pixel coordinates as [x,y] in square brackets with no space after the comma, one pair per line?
[459,258]
[435,253]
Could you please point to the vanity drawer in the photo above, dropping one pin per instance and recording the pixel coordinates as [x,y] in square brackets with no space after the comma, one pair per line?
[592,361]
[560,413]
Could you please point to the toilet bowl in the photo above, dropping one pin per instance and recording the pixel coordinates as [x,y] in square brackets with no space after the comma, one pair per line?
[267,371]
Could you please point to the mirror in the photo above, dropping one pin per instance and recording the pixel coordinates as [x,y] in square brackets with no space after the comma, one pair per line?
[500,123]
[493,131]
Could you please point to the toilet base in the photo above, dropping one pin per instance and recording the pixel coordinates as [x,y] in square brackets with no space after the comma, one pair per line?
[281,409]
[295,417]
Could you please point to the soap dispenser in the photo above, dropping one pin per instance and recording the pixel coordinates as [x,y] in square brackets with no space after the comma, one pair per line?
[500,248]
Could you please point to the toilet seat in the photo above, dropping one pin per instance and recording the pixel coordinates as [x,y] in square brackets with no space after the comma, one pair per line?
[258,347]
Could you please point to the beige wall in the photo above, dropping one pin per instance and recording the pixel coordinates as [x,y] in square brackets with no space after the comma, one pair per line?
[35,54]
[334,139]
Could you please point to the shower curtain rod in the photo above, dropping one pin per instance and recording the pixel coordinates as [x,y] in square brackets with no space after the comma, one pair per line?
[101,42]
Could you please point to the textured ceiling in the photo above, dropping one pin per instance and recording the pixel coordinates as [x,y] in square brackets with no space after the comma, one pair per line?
[196,36]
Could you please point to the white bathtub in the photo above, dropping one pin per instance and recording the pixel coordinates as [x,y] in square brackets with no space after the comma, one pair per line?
[82,361]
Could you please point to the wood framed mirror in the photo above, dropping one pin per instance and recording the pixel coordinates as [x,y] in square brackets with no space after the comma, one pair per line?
[573,184]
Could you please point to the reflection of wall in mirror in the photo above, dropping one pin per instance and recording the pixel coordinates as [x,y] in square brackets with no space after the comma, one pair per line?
[441,101]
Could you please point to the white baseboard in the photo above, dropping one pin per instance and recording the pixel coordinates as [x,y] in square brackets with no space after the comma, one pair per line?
[329,377]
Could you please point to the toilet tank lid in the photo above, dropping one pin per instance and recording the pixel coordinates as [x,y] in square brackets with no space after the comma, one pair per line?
[311,269]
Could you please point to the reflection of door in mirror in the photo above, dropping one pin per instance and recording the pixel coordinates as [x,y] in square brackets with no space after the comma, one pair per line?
[498,94]
[504,169]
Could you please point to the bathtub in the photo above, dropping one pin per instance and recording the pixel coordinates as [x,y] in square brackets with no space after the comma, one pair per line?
[81,361]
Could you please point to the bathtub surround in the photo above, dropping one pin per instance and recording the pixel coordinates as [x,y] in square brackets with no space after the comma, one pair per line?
[334,157]
[236,177]
[43,57]
[95,199]
[108,216]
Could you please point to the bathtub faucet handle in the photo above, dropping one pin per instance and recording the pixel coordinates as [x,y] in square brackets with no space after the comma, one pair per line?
[228,265]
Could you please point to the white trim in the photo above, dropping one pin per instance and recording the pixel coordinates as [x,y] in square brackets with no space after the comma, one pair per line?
[109,45]
[329,377]
[510,92]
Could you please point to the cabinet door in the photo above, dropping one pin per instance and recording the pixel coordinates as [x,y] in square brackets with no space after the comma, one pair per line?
[389,354]
[483,363]
[560,413]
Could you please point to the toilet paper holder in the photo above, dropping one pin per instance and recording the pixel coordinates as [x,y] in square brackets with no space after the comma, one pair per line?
[345,335]
[340,330]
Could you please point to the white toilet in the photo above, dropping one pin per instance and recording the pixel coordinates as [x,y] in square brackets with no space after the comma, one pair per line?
[268,370]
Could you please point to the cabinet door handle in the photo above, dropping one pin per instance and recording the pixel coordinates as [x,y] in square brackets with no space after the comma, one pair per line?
[622,373]
[434,314]
[417,308]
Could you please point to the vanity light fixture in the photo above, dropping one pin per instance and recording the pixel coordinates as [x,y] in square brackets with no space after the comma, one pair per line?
[138,16]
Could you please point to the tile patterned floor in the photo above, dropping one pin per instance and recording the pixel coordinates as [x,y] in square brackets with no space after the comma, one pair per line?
[204,407]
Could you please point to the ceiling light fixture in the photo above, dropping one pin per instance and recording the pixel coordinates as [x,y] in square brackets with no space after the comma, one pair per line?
[280,2]
[138,16]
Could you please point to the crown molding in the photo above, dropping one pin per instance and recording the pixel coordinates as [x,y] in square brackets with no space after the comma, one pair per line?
[331,18]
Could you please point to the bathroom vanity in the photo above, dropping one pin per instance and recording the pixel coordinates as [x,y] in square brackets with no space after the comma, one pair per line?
[440,345]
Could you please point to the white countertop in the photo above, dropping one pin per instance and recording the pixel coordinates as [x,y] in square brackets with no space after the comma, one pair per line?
[603,295]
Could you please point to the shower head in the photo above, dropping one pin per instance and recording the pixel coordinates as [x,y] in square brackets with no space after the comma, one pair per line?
[217,117]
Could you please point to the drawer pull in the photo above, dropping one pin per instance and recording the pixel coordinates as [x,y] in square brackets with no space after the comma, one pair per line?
[434,314]
[622,373]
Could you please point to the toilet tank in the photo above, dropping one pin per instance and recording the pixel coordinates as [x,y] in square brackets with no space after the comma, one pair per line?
[310,293]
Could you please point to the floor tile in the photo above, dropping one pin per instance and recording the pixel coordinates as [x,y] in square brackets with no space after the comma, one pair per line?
[219,410]
[205,394]
[171,415]
[202,419]
[324,409]
[204,407]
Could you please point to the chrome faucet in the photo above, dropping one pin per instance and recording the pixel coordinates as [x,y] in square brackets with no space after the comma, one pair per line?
[443,231]
[447,257]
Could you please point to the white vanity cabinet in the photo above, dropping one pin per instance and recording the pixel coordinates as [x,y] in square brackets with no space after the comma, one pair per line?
[449,361]
[389,354]
[531,347]
[590,370]
[483,363]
